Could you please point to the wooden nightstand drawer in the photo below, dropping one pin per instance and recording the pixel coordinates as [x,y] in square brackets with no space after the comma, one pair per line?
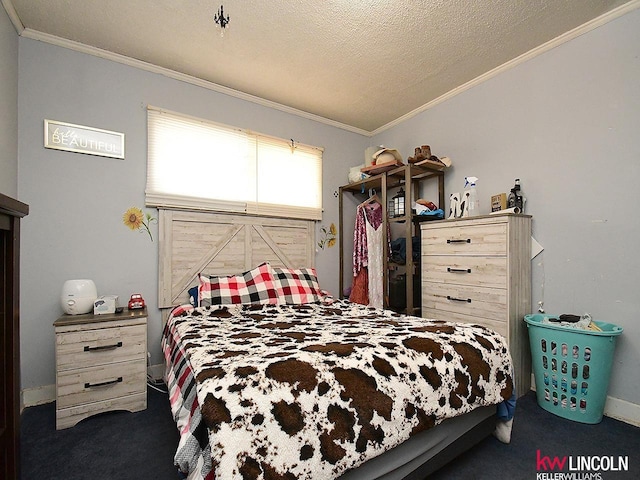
[472,270]
[473,240]
[95,384]
[97,347]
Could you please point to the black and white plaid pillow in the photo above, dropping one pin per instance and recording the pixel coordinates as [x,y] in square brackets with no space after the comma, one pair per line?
[297,286]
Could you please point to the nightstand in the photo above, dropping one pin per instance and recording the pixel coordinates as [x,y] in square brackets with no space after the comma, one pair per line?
[101,365]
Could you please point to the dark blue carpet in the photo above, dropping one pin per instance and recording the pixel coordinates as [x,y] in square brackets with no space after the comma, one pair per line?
[535,429]
[140,446]
[114,445]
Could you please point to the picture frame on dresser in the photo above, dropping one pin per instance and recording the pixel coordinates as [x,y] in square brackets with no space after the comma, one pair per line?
[478,270]
[101,365]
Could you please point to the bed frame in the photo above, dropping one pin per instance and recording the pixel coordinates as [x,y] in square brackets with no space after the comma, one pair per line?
[191,242]
[429,450]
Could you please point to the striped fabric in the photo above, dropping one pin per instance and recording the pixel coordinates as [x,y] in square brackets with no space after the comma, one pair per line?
[193,453]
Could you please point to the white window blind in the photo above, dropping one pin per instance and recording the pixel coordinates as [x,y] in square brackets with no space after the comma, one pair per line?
[194,163]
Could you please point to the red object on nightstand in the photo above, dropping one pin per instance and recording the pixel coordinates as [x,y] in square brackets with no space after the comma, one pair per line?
[136,302]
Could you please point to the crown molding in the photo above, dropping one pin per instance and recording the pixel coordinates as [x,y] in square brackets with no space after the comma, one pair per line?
[149,67]
[13,16]
[79,47]
[564,38]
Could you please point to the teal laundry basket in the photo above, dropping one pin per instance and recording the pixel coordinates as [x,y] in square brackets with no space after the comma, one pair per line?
[571,367]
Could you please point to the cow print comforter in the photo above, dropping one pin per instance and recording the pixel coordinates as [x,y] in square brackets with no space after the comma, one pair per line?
[311,391]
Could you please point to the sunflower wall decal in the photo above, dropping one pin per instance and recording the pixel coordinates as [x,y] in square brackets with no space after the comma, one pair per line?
[328,236]
[136,219]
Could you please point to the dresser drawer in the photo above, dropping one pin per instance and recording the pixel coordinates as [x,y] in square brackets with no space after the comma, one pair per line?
[88,348]
[461,270]
[468,300]
[95,384]
[497,325]
[471,240]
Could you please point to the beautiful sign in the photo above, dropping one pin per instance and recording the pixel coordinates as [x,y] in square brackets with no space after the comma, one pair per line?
[80,139]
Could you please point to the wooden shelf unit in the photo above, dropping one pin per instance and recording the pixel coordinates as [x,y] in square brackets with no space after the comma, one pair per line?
[410,177]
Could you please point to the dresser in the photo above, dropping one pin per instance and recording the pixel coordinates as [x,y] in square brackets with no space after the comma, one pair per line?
[101,365]
[478,270]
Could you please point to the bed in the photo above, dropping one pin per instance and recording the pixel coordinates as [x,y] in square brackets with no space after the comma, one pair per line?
[272,378]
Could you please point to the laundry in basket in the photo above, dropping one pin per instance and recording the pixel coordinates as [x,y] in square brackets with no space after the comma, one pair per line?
[571,366]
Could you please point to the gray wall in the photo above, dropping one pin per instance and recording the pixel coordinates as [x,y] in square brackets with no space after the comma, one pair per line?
[74,229]
[565,123]
[8,107]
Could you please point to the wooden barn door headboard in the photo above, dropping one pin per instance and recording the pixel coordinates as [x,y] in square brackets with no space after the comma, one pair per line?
[225,244]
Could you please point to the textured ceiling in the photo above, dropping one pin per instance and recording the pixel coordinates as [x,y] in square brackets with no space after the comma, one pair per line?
[362,63]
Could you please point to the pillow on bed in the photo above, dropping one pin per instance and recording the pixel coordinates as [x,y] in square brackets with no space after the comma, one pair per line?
[254,286]
[297,286]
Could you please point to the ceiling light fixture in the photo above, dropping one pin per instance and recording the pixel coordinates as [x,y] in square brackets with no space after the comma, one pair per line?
[221,20]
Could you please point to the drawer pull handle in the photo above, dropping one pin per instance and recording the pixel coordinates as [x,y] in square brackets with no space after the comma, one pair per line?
[462,240]
[104,347]
[103,384]
[458,270]
[467,300]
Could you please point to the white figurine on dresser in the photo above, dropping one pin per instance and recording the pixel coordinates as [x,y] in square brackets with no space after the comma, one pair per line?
[101,365]
[478,270]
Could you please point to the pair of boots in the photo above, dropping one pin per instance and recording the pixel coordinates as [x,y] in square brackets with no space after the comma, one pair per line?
[421,153]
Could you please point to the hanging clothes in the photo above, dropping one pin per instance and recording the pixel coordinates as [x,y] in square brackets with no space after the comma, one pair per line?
[368,251]
[360,287]
[375,240]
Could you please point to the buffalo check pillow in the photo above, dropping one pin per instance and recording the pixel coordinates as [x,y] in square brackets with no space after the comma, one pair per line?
[254,286]
[297,286]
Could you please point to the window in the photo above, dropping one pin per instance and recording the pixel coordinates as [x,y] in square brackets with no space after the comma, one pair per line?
[194,163]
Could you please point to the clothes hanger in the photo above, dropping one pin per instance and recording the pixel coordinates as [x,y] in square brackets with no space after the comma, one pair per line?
[371,199]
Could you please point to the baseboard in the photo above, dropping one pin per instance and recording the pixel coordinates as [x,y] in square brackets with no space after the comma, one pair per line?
[622,410]
[30,397]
